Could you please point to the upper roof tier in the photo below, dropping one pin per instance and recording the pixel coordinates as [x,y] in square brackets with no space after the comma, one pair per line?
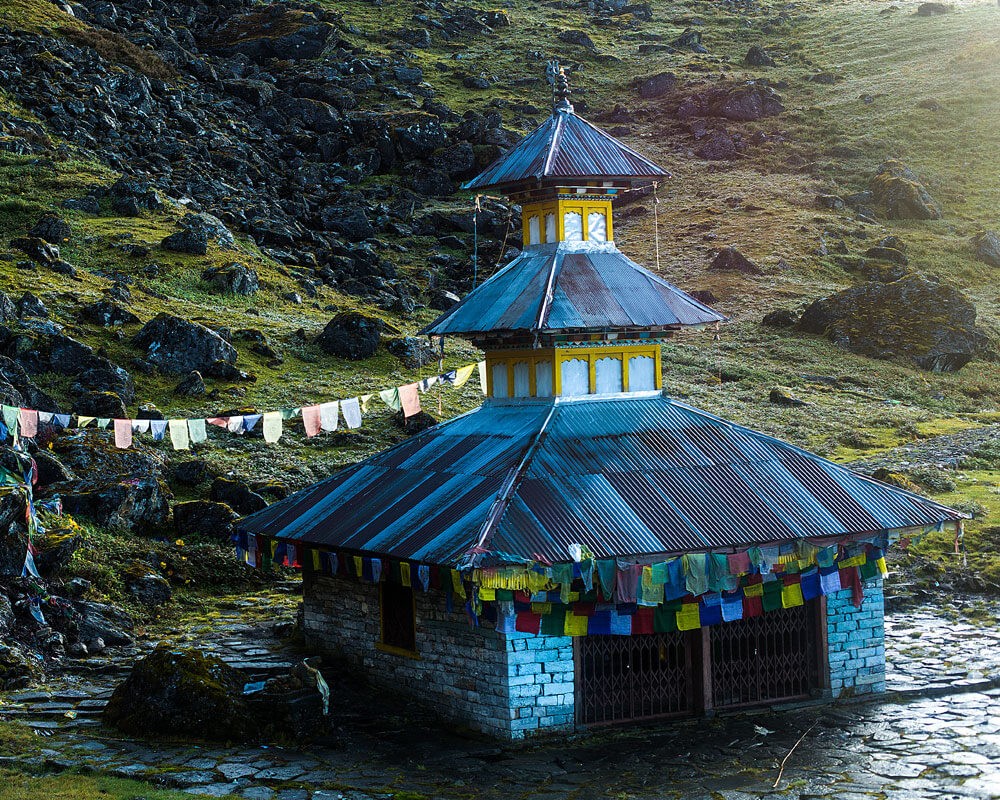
[566,149]
[572,288]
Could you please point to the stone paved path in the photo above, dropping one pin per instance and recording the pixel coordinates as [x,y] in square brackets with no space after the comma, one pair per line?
[910,747]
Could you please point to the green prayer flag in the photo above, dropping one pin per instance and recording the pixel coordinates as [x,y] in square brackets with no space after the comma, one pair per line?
[505,596]
[290,413]
[554,624]
[772,597]
[665,617]
[868,570]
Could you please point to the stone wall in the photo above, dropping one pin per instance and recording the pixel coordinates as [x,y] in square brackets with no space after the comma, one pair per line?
[856,638]
[508,686]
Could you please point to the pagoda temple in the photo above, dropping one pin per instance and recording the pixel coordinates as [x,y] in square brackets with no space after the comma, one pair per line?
[583,549]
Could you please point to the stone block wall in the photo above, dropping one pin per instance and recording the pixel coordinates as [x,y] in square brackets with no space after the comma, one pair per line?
[856,639]
[507,686]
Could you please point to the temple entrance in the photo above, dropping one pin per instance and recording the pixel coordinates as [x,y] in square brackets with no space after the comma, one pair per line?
[620,678]
[765,659]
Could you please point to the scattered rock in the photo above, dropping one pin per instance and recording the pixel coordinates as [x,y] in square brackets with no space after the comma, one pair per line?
[18,669]
[729,259]
[578,38]
[14,542]
[690,39]
[6,615]
[931,104]
[233,278]
[657,85]
[413,351]
[351,335]
[987,247]
[30,306]
[52,228]
[106,405]
[780,318]
[351,223]
[190,473]
[782,396]
[718,146]
[102,624]
[934,9]
[748,101]
[899,191]
[895,479]
[148,587]
[890,254]
[757,56]
[37,249]
[191,386]
[929,323]
[192,242]
[178,345]
[180,692]
[107,314]
[215,521]
[442,299]
[237,495]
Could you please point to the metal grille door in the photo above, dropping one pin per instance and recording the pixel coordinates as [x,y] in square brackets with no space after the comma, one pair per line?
[766,658]
[633,677]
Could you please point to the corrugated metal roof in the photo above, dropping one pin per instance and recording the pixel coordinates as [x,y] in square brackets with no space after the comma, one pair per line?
[624,475]
[566,146]
[594,288]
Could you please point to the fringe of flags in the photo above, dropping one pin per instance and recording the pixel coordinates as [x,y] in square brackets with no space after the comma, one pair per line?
[607,596]
[183,432]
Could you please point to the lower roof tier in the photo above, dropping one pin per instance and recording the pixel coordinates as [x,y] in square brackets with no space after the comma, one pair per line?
[627,476]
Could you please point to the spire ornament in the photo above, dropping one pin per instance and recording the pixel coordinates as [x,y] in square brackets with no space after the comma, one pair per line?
[556,76]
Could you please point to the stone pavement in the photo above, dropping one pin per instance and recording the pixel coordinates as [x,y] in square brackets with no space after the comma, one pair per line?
[911,746]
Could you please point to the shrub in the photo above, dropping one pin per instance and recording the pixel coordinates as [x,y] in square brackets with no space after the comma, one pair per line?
[112,46]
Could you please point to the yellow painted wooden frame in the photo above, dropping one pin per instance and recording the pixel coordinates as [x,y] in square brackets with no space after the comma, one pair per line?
[582,205]
[559,354]
[509,358]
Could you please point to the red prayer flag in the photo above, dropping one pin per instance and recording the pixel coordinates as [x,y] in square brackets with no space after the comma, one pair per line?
[642,620]
[527,622]
[123,433]
[311,420]
[219,422]
[409,398]
[28,422]
[752,607]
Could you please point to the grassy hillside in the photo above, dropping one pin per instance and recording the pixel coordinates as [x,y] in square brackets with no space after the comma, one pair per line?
[880,63]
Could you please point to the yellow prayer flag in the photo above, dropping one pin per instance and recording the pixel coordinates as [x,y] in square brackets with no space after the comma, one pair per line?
[365,399]
[575,625]
[83,422]
[855,561]
[882,567]
[462,375]
[754,590]
[487,594]
[456,583]
[404,573]
[688,618]
[315,559]
[791,595]
[274,547]
[272,426]
[541,608]
[358,566]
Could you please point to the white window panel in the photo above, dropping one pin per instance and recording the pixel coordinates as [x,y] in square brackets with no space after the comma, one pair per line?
[597,226]
[641,373]
[534,232]
[500,380]
[543,379]
[608,375]
[550,228]
[573,226]
[575,377]
[522,379]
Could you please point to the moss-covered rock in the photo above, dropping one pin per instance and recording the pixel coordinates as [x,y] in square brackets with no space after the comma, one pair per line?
[176,691]
[17,668]
[899,191]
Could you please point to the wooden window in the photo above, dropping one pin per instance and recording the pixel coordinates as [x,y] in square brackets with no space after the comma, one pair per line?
[597,226]
[641,373]
[608,374]
[573,226]
[550,228]
[543,379]
[534,232]
[500,388]
[575,377]
[399,630]
[522,379]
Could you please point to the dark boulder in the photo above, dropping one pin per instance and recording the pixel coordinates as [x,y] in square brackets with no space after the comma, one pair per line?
[780,318]
[987,247]
[934,9]
[102,621]
[899,191]
[14,542]
[18,669]
[190,473]
[718,146]
[931,324]
[51,469]
[442,299]
[782,396]
[749,101]
[205,519]
[131,195]
[351,335]
[146,585]
[141,504]
[17,389]
[351,223]
[6,616]
[729,259]
[690,39]
[52,228]
[233,278]
[107,378]
[192,242]
[107,313]
[30,306]
[183,692]
[890,254]
[178,345]
[106,405]
[37,249]
[577,37]
[8,311]
[757,56]
[274,31]
[193,385]
[657,85]
[237,495]
[413,351]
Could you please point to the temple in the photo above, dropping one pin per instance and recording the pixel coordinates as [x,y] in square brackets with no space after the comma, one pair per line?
[583,549]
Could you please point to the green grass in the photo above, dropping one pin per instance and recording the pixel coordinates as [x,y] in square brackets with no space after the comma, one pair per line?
[74,786]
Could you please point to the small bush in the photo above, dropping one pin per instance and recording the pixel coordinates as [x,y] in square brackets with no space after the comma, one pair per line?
[933,480]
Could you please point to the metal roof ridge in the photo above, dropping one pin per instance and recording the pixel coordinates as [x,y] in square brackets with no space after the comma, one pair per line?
[550,286]
[553,144]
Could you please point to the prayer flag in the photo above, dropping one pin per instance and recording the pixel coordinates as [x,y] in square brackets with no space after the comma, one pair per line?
[651,593]
[391,398]
[179,434]
[507,619]
[482,375]
[140,426]
[62,420]
[158,427]
[219,422]
[290,413]
[311,420]
[457,583]
[425,384]
[810,584]
[642,621]
[28,419]
[791,595]
[554,622]
[358,566]
[772,599]
[696,573]
[627,584]
[272,426]
[197,431]
[463,374]
[234,424]
[82,422]
[424,576]
[409,399]
[709,613]
[250,421]
[364,400]
[621,624]
[404,573]
[123,433]
[732,607]
[689,617]
[352,412]
[739,563]
[329,414]
[752,607]
[527,622]
[103,422]
[44,417]
[665,617]
[607,574]
[829,581]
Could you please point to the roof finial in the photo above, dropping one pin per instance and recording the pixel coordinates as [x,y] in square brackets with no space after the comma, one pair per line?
[556,76]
